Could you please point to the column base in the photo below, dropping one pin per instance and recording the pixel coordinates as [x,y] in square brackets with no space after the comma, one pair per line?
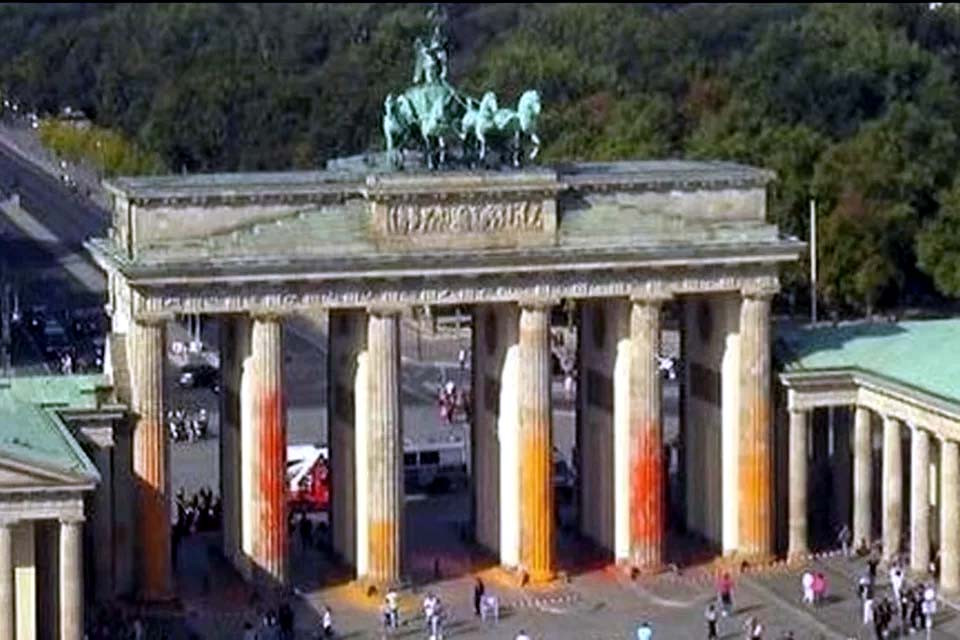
[798,557]
[371,587]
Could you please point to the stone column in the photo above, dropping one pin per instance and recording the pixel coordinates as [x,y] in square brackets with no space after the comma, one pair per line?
[756,451]
[647,509]
[797,548]
[919,500]
[862,477]
[71,580]
[270,449]
[536,450]
[151,463]
[385,448]
[7,591]
[949,516]
[892,487]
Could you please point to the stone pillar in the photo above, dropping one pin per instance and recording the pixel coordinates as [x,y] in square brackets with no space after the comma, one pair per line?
[862,477]
[919,500]
[151,463]
[385,450]
[797,548]
[7,591]
[892,487]
[270,449]
[536,450]
[71,580]
[234,349]
[949,517]
[647,509]
[756,451]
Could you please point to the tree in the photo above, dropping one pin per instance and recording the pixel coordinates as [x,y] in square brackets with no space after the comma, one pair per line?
[938,244]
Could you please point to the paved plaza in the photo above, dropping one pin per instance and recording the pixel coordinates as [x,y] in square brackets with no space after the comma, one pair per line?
[595,602]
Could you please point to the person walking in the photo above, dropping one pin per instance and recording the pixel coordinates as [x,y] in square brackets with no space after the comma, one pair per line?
[711,616]
[845,537]
[478,591]
[819,588]
[327,623]
[725,590]
[522,635]
[393,612]
[806,582]
[644,632]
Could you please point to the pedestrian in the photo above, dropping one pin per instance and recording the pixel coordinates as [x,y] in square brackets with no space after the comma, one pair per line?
[285,618]
[844,537]
[429,606]
[896,580]
[644,632]
[477,596]
[819,588]
[872,563]
[754,628]
[327,622]
[806,582]
[393,612]
[711,616]
[725,589]
[522,635]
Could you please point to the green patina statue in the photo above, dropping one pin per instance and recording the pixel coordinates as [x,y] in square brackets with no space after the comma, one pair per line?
[432,113]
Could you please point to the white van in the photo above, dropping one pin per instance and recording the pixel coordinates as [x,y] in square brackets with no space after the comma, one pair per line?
[439,466]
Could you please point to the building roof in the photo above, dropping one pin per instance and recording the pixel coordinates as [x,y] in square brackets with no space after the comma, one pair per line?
[921,354]
[32,432]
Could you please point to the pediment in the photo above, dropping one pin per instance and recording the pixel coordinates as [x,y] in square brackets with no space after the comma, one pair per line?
[19,475]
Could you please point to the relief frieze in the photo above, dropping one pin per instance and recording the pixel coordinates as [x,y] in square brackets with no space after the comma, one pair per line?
[406,219]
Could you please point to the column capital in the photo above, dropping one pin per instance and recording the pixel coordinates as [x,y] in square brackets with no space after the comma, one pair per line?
[650,298]
[153,318]
[761,289]
[537,304]
[381,310]
[72,519]
[267,315]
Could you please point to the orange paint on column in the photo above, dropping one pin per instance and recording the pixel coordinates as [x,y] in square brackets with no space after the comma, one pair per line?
[150,461]
[536,505]
[271,484]
[755,473]
[384,546]
[647,520]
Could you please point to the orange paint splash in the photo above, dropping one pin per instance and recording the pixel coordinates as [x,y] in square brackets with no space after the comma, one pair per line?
[536,504]
[755,484]
[384,542]
[271,546]
[647,513]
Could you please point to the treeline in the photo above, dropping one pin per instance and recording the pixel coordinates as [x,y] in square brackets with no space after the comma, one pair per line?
[855,105]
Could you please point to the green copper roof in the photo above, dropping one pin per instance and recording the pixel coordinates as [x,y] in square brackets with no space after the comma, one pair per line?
[923,354]
[32,432]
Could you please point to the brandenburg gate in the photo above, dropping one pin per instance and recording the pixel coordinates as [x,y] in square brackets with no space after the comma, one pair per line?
[621,239]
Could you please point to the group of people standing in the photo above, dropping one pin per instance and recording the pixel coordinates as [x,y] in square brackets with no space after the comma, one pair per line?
[914,605]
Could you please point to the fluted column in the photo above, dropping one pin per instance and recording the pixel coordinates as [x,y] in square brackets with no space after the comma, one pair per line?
[536,450]
[892,487]
[7,591]
[71,580]
[797,548]
[385,448]
[270,449]
[949,516]
[862,477]
[151,459]
[756,451]
[647,511]
[919,500]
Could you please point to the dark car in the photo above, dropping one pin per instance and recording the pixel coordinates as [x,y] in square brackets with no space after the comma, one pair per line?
[199,376]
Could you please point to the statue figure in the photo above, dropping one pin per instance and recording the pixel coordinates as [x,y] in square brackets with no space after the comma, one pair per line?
[430,59]
[487,120]
[432,111]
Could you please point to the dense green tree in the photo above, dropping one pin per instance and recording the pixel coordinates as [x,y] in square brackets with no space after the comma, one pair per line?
[854,105]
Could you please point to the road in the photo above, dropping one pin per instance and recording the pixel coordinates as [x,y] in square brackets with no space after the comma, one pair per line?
[33,260]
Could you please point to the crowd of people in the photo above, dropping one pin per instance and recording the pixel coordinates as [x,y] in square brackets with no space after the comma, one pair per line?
[201,511]
[909,607]
[453,403]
